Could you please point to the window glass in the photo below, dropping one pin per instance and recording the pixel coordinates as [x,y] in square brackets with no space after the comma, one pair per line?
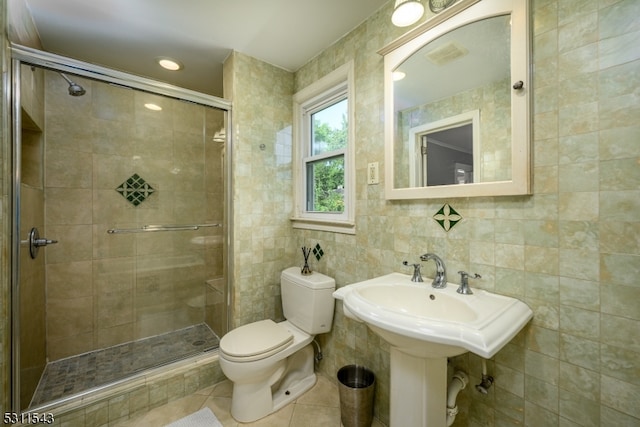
[325,185]
[329,128]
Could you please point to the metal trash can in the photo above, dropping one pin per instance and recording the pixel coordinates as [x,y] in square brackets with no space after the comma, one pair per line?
[356,385]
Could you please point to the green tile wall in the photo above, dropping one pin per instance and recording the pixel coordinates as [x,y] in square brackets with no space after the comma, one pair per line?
[262,186]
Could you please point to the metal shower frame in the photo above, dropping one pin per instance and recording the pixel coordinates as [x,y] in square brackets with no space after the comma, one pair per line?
[25,55]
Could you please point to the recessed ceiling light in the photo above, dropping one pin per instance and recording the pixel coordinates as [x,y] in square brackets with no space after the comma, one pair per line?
[151,106]
[169,64]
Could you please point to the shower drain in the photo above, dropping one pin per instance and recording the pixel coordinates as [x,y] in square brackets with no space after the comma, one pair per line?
[197,343]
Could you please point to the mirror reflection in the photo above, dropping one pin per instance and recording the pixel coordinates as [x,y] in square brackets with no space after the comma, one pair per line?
[453,108]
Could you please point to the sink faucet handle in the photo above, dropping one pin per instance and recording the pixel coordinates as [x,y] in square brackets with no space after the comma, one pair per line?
[464,282]
[417,275]
[464,275]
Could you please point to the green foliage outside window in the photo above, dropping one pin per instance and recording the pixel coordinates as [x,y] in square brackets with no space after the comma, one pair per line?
[328,174]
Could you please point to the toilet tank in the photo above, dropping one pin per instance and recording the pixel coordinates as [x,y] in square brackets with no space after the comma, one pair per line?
[307,301]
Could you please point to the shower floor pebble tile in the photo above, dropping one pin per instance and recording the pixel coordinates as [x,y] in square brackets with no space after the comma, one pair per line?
[65,377]
[319,407]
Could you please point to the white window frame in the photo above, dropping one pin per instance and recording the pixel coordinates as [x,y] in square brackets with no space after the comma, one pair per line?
[417,168]
[334,86]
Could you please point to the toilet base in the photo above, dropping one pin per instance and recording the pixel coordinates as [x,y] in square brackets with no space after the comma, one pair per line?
[283,397]
[250,402]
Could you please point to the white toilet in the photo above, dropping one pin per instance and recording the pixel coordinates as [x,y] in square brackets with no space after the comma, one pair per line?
[271,364]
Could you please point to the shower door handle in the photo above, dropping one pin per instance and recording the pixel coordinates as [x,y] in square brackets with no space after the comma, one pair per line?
[36,242]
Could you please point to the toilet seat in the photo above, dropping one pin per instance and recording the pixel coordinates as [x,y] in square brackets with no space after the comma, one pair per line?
[255,341]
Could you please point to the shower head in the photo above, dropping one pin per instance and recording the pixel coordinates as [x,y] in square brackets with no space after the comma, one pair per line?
[74,88]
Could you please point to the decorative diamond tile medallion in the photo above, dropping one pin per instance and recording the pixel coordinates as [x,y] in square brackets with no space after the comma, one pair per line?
[135,189]
[447,217]
[318,252]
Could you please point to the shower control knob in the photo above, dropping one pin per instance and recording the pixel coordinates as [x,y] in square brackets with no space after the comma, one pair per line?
[44,242]
[35,242]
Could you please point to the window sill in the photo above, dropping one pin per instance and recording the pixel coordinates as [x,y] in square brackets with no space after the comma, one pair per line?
[345,227]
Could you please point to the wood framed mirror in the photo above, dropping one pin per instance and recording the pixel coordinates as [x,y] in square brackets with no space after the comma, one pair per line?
[458,123]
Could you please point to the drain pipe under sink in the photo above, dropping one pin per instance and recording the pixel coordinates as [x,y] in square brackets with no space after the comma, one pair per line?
[458,382]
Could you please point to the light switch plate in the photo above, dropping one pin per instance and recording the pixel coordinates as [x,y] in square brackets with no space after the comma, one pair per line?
[372,173]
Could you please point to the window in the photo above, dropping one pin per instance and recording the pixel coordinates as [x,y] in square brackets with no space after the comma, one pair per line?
[323,141]
[324,163]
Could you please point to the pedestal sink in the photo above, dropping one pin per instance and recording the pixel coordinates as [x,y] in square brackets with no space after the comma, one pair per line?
[424,326]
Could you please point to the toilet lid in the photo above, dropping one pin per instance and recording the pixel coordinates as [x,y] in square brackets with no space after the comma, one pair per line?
[262,338]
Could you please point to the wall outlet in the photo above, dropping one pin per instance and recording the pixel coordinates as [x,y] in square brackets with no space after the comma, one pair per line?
[372,173]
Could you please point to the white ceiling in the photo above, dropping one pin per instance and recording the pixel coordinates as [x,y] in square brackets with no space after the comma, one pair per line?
[129,34]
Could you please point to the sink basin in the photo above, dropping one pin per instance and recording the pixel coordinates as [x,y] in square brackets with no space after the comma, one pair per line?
[417,301]
[424,326]
[422,321]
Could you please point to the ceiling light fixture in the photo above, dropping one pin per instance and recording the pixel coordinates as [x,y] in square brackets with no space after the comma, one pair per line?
[407,12]
[169,64]
[398,75]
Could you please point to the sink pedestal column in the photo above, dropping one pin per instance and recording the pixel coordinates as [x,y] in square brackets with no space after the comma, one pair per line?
[418,390]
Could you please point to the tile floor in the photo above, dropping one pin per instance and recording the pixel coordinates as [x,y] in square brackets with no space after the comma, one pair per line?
[319,407]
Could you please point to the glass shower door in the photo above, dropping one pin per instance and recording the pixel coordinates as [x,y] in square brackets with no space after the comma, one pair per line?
[133,186]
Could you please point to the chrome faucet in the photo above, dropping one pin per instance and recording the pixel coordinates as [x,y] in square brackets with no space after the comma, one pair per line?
[417,276]
[440,281]
[464,288]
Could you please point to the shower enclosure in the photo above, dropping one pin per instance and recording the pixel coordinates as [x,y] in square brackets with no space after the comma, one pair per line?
[120,235]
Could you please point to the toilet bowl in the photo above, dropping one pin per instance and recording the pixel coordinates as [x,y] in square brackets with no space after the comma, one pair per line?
[255,375]
[272,364]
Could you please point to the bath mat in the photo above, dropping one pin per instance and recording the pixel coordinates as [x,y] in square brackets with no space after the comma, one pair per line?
[203,418]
